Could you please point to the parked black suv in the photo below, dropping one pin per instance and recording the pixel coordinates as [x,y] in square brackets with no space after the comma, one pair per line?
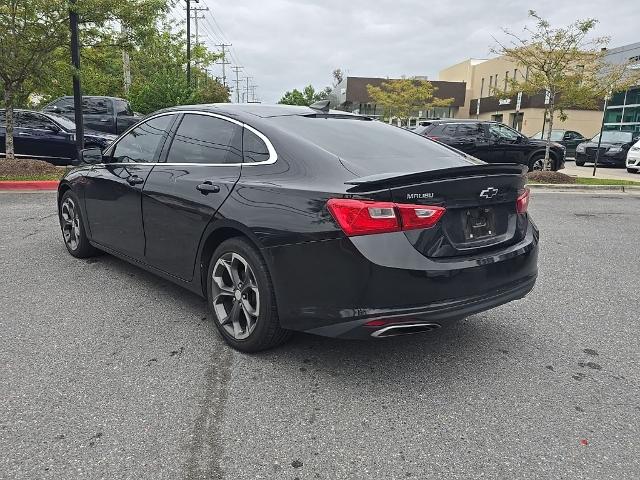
[105,114]
[493,142]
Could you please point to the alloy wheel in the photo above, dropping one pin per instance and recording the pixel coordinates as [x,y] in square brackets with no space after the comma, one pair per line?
[70,224]
[538,164]
[236,298]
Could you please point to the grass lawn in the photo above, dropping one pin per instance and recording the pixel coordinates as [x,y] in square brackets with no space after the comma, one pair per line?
[49,176]
[604,181]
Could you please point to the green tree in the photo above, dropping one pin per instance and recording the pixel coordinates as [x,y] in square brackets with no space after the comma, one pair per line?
[566,64]
[34,31]
[305,98]
[402,97]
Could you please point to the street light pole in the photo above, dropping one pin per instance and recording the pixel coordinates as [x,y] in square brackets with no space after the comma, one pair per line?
[77,91]
[604,114]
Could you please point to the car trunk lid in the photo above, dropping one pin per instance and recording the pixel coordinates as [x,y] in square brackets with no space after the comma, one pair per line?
[480,202]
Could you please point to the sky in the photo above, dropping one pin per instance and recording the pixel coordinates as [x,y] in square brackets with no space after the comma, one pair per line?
[286,44]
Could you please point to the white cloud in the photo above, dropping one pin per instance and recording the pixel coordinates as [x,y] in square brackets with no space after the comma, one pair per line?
[287,44]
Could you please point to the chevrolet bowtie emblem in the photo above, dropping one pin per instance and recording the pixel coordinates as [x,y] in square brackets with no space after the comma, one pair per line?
[489,192]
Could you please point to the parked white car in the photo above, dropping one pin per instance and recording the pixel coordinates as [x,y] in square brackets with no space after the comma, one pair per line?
[633,158]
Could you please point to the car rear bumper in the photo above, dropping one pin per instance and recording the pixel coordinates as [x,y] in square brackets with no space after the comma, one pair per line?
[335,287]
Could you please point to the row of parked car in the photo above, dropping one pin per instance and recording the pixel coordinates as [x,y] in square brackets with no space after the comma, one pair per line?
[50,135]
[495,142]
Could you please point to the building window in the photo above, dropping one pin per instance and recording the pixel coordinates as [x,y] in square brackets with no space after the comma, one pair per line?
[515,73]
[506,79]
[481,87]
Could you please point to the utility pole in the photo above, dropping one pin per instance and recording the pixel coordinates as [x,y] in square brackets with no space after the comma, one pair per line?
[237,69]
[253,93]
[126,64]
[224,62]
[196,17]
[189,40]
[77,91]
[247,88]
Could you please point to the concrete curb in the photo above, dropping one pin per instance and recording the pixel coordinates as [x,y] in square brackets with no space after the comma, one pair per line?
[29,184]
[577,188]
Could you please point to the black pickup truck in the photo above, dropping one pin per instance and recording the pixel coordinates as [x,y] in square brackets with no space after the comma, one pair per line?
[105,114]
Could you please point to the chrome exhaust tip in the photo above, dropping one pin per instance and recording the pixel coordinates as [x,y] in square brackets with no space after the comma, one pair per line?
[405,329]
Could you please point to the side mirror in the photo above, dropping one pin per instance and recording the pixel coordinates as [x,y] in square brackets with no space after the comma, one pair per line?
[91,156]
[54,128]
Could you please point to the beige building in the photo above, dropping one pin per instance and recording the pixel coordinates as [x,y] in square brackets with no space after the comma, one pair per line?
[525,113]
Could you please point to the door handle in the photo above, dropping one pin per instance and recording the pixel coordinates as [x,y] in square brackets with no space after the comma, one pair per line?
[135,180]
[104,120]
[207,188]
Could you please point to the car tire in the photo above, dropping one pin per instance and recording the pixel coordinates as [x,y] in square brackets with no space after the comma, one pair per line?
[72,226]
[579,163]
[632,170]
[536,163]
[242,299]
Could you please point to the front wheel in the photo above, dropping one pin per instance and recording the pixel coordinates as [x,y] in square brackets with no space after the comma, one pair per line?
[73,233]
[632,170]
[579,163]
[241,297]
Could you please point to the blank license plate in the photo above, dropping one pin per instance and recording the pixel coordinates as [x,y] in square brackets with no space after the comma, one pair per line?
[479,223]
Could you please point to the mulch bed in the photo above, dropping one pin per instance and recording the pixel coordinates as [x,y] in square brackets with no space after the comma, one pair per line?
[29,168]
[550,177]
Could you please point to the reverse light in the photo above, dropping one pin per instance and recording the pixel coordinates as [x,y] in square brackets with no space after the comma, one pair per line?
[365,217]
[522,202]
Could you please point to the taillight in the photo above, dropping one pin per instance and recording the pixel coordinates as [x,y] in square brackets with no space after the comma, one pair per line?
[365,217]
[522,203]
[419,216]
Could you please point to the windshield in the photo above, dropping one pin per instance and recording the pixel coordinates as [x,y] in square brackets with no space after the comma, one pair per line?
[372,146]
[556,135]
[62,121]
[614,136]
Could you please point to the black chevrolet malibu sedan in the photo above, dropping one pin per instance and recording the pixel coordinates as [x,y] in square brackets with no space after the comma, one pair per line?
[296,218]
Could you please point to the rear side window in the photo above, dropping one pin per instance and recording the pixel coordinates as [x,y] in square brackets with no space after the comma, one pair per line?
[96,106]
[206,139]
[63,105]
[122,108]
[449,130]
[371,146]
[253,147]
[142,143]
[468,130]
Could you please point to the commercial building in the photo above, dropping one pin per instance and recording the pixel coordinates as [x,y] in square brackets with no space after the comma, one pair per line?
[623,110]
[351,95]
[522,112]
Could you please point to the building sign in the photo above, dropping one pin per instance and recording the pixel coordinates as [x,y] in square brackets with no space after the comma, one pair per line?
[547,97]
[478,107]
[519,101]
[504,101]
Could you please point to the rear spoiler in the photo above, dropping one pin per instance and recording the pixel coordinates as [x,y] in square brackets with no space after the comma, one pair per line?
[403,178]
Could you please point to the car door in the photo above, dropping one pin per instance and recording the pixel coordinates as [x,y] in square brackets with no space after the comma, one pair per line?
[183,194]
[114,189]
[468,137]
[489,148]
[98,114]
[41,137]
[511,146]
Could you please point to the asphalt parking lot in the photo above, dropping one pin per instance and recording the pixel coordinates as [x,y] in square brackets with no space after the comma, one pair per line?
[109,372]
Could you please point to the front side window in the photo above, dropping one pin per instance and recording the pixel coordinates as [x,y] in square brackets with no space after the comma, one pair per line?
[123,108]
[206,139]
[503,132]
[142,143]
[32,120]
[254,149]
[468,130]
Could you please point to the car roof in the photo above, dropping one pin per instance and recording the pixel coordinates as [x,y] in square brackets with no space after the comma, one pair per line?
[89,96]
[256,109]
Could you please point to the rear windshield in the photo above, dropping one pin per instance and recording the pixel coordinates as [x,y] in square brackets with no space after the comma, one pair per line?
[374,146]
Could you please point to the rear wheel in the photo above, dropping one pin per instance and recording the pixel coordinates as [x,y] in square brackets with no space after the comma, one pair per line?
[632,170]
[75,237]
[242,299]
[579,163]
